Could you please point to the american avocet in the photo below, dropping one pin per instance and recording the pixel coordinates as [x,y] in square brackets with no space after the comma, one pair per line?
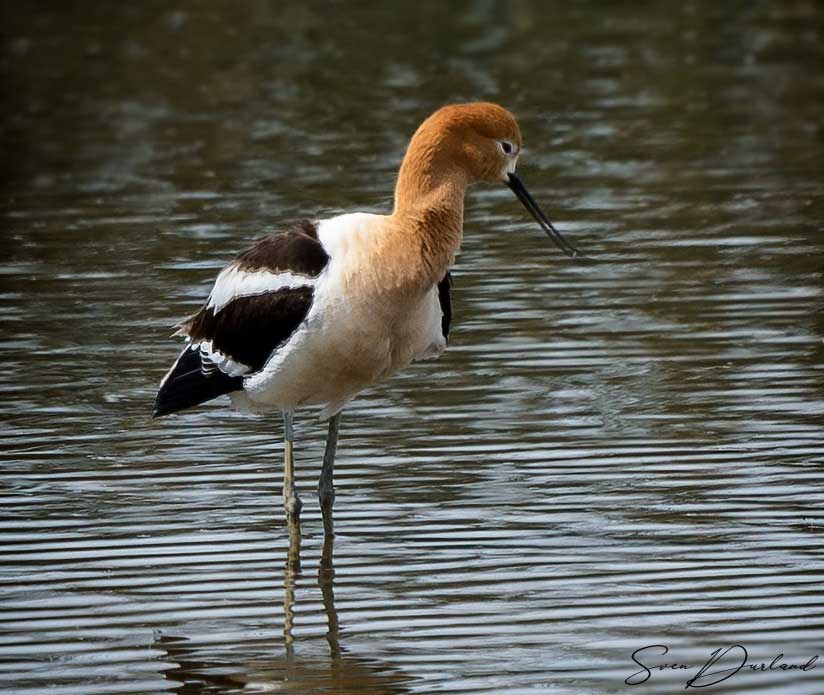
[317,313]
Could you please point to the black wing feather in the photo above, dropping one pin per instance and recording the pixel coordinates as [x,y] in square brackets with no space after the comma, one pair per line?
[297,249]
[249,328]
[445,299]
[188,384]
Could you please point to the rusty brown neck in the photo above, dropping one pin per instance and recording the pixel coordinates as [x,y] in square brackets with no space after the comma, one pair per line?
[429,204]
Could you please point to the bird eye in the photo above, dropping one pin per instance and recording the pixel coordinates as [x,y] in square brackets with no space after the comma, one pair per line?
[506,146]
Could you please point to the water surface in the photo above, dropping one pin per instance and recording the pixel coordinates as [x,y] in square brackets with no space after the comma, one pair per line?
[612,454]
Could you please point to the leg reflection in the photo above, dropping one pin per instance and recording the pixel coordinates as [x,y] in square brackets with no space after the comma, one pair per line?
[304,664]
[326,577]
[290,579]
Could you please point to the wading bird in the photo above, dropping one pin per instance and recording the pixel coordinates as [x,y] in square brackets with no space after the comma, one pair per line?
[317,313]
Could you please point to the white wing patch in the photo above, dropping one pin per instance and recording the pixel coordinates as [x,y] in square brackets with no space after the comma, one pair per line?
[212,358]
[233,283]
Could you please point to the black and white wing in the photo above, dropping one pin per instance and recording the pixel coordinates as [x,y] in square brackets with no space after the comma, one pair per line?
[256,304]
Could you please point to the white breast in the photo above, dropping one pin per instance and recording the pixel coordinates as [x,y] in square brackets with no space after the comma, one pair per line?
[431,328]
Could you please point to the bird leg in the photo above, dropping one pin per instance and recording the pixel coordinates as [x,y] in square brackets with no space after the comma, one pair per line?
[291,501]
[326,487]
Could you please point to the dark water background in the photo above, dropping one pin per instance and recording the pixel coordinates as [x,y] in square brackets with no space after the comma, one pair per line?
[610,455]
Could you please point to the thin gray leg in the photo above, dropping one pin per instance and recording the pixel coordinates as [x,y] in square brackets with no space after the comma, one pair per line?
[291,501]
[326,487]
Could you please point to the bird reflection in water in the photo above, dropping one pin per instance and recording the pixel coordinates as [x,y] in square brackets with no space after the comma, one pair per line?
[206,669]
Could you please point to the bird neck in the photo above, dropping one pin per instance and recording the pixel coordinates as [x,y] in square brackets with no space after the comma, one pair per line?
[429,206]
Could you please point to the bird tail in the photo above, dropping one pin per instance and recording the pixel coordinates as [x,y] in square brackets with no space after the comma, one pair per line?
[188,384]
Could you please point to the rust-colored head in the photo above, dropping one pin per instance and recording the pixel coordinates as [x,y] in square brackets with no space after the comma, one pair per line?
[461,144]
[480,141]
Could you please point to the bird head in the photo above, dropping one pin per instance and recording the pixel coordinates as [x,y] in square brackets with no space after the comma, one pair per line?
[476,142]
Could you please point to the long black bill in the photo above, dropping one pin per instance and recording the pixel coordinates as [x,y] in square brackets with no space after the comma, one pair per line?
[519,189]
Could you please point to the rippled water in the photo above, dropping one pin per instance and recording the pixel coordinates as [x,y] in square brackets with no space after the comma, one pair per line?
[612,454]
